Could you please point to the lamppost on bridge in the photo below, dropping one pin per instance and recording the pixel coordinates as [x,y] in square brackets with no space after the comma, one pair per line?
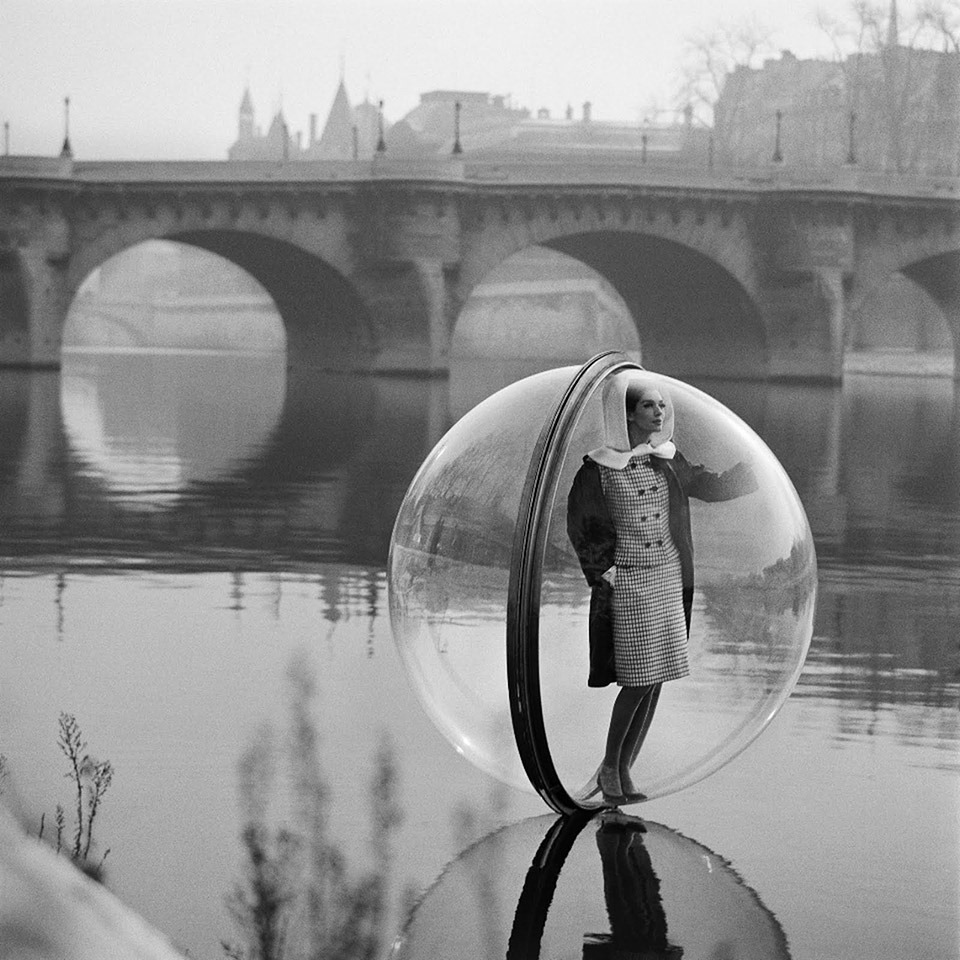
[381,143]
[851,143]
[457,148]
[643,148]
[65,150]
[710,151]
[777,155]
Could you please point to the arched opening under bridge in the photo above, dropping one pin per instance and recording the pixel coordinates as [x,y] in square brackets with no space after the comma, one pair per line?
[694,318]
[165,295]
[898,327]
[537,309]
[326,322]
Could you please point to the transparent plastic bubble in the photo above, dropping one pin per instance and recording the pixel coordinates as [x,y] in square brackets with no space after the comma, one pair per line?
[488,511]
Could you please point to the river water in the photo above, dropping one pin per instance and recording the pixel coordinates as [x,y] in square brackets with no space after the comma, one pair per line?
[193,551]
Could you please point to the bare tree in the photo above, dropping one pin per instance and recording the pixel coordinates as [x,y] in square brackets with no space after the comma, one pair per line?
[712,54]
[941,18]
[887,81]
[714,62]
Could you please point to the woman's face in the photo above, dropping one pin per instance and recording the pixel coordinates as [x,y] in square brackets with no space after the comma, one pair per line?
[647,416]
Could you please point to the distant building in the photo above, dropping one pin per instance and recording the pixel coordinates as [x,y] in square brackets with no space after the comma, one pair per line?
[487,125]
[907,104]
[492,125]
[349,133]
[251,144]
[896,110]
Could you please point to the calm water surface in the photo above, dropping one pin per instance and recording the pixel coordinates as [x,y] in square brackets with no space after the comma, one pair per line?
[176,531]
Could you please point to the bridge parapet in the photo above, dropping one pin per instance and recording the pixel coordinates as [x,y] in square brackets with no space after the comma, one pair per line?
[848,182]
[609,169]
[417,169]
[161,172]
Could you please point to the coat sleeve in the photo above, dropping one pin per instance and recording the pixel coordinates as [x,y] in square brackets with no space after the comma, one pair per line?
[703,484]
[589,526]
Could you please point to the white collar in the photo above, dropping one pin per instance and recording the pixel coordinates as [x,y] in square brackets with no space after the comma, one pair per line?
[618,459]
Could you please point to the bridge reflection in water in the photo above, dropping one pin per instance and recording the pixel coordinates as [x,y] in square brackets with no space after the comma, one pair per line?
[145,433]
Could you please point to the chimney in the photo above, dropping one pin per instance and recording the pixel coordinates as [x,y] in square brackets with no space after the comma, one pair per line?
[313,129]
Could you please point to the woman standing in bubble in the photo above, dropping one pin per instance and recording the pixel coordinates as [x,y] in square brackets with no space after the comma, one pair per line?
[628,517]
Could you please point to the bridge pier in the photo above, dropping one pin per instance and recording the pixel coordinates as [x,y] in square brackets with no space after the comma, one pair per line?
[805,258]
[804,313]
[31,336]
[410,305]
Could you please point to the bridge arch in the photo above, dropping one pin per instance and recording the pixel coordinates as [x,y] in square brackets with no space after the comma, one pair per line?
[939,277]
[686,285]
[693,317]
[165,294]
[542,307]
[324,318]
[928,257]
[326,322]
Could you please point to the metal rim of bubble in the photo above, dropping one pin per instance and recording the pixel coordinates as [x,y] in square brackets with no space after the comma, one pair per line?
[523,597]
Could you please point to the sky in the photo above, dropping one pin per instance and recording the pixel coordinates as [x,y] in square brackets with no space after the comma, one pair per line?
[163,79]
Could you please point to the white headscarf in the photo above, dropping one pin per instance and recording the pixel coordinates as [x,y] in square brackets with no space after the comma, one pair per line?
[616,451]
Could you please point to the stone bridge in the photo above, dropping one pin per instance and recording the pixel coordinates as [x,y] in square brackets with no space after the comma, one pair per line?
[751,273]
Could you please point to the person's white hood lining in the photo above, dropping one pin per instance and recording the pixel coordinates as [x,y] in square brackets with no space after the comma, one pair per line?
[616,451]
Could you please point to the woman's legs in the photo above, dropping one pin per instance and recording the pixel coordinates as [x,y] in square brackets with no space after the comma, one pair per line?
[637,733]
[625,709]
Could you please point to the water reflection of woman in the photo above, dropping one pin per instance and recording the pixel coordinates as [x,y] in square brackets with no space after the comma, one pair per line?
[628,517]
[631,890]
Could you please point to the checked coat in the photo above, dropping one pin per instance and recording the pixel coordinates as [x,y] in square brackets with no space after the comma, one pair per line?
[593,534]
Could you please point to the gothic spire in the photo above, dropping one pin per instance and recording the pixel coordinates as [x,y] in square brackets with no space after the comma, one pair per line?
[336,140]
